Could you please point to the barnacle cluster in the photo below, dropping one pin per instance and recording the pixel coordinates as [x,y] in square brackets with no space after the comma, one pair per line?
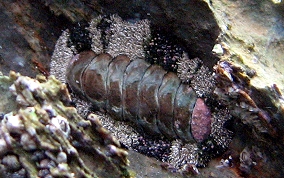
[203,82]
[115,36]
[60,57]
[45,137]
[221,136]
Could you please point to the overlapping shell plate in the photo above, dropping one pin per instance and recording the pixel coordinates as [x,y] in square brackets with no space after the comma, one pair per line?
[45,137]
[130,39]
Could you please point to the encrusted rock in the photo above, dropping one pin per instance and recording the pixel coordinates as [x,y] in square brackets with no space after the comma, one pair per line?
[45,137]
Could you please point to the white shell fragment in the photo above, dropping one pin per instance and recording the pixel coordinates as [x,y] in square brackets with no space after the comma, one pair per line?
[218,49]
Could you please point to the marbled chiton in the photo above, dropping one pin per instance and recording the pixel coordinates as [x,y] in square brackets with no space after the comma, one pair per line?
[135,91]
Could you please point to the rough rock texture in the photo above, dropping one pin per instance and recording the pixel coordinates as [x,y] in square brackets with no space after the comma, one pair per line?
[192,22]
[43,136]
[198,36]
[250,34]
[253,34]
[28,36]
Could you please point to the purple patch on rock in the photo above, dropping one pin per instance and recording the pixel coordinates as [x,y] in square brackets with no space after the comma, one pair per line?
[201,121]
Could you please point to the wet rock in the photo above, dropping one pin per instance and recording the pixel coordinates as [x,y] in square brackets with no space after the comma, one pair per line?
[41,136]
[250,35]
[28,36]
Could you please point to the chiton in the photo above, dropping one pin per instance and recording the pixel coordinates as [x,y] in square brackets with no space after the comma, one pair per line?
[146,95]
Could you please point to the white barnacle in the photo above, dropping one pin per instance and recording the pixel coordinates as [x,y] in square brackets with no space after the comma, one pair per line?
[48,108]
[27,142]
[183,154]
[71,151]
[61,157]
[23,88]
[30,84]
[59,123]
[21,100]
[13,123]
[276,1]
[11,161]
[62,167]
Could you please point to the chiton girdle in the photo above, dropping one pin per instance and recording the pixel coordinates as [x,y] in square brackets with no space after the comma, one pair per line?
[135,91]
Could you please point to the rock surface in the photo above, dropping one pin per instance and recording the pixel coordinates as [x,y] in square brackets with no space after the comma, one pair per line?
[248,33]
[44,136]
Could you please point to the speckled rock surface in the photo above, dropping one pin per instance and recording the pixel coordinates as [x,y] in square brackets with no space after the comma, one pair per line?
[253,34]
[250,35]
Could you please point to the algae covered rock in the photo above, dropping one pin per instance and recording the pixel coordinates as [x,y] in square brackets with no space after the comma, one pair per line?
[42,135]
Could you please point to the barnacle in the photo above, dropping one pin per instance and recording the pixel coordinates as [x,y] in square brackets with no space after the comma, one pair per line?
[115,36]
[38,137]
